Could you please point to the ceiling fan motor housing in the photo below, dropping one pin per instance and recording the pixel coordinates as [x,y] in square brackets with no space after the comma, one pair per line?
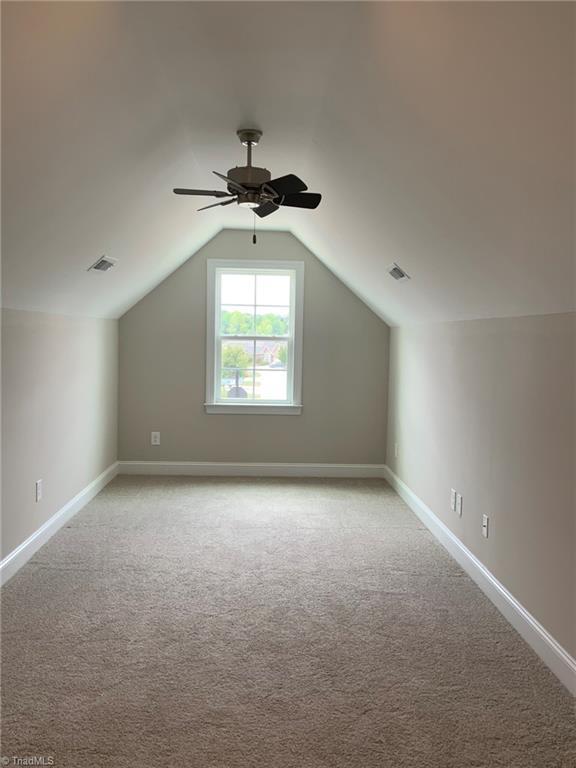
[251,178]
[249,175]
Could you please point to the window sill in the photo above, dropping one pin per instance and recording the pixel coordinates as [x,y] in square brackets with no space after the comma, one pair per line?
[254,410]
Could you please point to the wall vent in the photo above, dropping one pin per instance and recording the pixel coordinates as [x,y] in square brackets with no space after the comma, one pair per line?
[103,264]
[397,272]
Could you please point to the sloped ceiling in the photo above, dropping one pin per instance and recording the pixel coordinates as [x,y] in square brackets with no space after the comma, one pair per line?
[440,134]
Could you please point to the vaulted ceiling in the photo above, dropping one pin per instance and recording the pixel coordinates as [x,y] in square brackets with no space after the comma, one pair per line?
[440,134]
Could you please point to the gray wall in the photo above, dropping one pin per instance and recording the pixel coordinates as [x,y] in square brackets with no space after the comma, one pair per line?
[162,371]
[59,413]
[487,407]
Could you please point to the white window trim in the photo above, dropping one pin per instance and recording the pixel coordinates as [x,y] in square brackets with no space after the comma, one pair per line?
[267,408]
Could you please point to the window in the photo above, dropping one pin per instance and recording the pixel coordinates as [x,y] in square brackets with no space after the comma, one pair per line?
[254,344]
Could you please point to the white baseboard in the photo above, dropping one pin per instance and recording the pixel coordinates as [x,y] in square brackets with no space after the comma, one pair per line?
[19,556]
[559,661]
[229,469]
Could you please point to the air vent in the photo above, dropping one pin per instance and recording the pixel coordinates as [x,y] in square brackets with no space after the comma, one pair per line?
[103,264]
[397,272]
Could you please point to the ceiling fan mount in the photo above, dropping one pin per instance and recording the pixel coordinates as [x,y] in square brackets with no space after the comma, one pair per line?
[249,136]
[252,187]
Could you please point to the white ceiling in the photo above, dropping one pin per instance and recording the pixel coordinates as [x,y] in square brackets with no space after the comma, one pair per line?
[440,134]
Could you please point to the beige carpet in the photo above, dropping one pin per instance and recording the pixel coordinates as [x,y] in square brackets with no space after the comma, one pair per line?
[269,624]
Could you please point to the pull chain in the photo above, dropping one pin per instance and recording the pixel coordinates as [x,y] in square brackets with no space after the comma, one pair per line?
[254,231]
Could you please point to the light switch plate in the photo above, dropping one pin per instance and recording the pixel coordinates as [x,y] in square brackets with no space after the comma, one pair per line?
[39,490]
[453,499]
[485,525]
[459,504]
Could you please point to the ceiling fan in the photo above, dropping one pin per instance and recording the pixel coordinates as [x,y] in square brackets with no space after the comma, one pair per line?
[254,188]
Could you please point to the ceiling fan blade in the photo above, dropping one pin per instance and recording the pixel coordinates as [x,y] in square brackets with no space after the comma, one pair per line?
[265,209]
[209,192]
[287,185]
[231,183]
[214,205]
[302,200]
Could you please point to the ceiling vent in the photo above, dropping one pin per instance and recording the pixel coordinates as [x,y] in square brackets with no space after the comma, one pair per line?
[397,272]
[102,265]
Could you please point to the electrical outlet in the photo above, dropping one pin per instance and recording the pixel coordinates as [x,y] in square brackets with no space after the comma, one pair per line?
[453,499]
[485,522]
[459,504]
[154,438]
[38,490]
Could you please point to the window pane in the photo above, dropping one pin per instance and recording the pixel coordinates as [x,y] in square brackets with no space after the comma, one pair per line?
[237,354]
[270,385]
[272,321]
[273,290]
[272,354]
[236,384]
[236,321]
[237,289]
